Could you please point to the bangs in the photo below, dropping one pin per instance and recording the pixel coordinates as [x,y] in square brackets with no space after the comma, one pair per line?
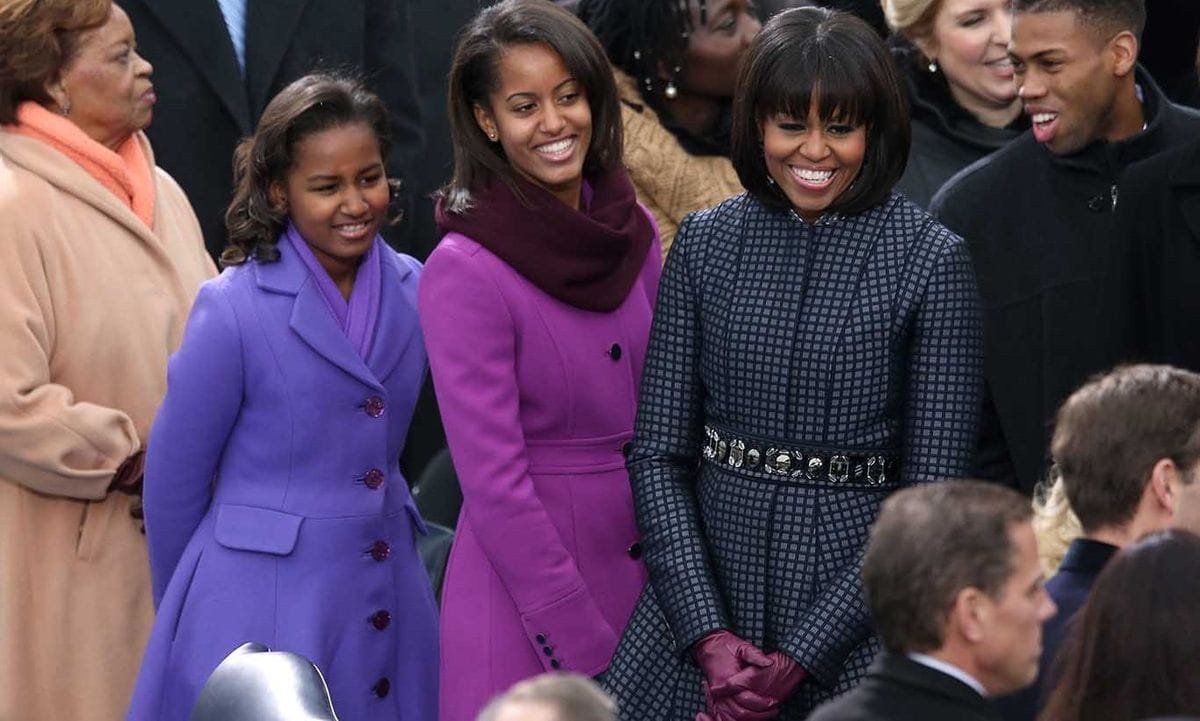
[812,73]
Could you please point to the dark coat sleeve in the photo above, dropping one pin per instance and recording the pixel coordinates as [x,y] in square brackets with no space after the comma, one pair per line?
[664,459]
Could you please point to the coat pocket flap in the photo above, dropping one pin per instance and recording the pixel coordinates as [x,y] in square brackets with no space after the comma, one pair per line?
[247,528]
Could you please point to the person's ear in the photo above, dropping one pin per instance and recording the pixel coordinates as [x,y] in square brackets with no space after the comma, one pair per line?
[970,614]
[1124,49]
[278,197]
[927,45]
[1164,484]
[56,88]
[486,122]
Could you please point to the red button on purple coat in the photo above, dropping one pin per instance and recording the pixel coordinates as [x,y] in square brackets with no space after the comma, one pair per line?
[373,406]
[380,551]
[373,478]
[380,619]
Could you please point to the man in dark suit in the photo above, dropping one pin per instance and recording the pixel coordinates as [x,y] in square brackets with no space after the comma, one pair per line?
[1127,448]
[217,63]
[955,589]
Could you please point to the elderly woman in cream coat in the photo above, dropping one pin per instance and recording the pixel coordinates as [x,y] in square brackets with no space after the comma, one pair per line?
[100,257]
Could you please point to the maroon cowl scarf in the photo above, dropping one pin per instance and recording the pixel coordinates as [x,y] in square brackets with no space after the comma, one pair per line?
[586,258]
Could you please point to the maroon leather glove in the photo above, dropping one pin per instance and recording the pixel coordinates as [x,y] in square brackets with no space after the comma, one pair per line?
[769,685]
[721,655]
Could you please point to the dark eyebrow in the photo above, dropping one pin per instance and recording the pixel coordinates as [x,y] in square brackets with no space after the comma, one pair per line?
[556,87]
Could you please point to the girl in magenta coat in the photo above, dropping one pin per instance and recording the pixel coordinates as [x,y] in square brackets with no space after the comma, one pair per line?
[536,309]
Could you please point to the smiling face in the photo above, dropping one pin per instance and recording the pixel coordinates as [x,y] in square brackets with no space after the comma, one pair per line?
[969,39]
[336,194]
[1068,78]
[715,46]
[540,116]
[107,84]
[813,161]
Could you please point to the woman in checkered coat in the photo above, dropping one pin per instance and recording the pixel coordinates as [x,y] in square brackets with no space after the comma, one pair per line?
[816,345]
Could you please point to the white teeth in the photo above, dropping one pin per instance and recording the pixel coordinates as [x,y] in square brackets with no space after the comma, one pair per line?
[351,227]
[1040,118]
[812,176]
[556,148]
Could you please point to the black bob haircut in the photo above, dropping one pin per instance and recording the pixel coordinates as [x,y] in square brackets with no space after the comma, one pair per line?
[811,55]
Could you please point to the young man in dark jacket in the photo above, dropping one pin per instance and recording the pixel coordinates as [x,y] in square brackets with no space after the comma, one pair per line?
[1037,215]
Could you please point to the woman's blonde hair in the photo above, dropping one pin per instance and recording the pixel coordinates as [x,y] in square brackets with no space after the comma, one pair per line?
[910,18]
[1054,523]
[37,40]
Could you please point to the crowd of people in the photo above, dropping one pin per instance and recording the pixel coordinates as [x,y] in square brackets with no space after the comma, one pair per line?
[720,304]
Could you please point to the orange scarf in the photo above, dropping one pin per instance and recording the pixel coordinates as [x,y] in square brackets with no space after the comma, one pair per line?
[126,173]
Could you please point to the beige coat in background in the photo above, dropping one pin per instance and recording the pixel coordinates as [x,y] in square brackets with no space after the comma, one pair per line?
[91,304]
[669,181]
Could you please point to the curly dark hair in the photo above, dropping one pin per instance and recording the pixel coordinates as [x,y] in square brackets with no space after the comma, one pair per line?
[307,106]
[38,38]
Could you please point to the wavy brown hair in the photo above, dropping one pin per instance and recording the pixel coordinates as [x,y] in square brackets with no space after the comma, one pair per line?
[309,105]
[38,38]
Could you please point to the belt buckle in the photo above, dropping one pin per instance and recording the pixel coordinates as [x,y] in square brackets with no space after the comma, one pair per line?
[839,469]
[876,473]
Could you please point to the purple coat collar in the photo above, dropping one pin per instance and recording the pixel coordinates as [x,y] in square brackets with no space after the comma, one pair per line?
[311,320]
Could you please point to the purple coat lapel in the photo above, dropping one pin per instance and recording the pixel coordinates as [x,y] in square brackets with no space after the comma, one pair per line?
[316,326]
[397,315]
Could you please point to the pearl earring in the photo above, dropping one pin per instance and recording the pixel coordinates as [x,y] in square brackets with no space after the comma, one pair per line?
[671,91]
[933,66]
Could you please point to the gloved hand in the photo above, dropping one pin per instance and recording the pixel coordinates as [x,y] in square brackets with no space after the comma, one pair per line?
[722,655]
[770,685]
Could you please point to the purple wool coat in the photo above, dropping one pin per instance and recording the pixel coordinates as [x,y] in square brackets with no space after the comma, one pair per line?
[538,400]
[275,508]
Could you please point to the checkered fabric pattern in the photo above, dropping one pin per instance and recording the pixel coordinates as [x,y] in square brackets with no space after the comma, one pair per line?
[857,333]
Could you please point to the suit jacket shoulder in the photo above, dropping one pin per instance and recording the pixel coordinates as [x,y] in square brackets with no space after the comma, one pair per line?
[900,689]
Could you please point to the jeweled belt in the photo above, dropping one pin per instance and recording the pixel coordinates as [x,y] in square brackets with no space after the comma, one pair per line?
[784,461]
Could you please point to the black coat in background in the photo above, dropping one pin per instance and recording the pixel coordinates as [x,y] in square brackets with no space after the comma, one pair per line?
[1153,300]
[897,688]
[945,137]
[205,105]
[1038,227]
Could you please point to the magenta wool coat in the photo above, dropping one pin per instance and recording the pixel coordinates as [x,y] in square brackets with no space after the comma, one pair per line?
[538,401]
[275,507]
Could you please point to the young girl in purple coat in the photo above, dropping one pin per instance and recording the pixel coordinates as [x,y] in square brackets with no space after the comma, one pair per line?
[275,509]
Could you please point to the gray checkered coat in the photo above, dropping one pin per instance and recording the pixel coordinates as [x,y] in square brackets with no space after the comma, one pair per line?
[857,333]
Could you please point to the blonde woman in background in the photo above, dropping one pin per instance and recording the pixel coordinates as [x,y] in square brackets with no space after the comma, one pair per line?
[1054,523]
[954,56]
[100,258]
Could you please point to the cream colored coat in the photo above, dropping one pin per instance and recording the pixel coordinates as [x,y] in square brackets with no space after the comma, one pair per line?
[669,181]
[91,304]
